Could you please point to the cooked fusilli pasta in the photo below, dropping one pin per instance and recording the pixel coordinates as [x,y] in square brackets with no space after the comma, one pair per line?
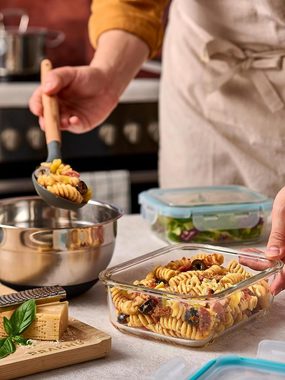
[201,315]
[61,180]
[235,267]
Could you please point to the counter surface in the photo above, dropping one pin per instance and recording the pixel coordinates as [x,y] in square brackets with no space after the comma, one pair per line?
[135,358]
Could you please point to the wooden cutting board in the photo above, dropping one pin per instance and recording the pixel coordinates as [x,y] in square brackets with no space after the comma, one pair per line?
[80,343]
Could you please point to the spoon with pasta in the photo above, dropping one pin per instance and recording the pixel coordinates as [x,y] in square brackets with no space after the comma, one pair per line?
[56,182]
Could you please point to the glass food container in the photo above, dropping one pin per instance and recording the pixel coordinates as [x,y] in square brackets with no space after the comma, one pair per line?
[212,215]
[189,294]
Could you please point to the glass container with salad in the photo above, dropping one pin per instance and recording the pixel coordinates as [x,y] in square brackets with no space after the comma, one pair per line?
[211,215]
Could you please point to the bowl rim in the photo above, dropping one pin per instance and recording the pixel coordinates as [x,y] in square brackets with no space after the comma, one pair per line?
[13,200]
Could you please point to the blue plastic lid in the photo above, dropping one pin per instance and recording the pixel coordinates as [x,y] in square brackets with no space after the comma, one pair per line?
[269,365]
[240,368]
[185,202]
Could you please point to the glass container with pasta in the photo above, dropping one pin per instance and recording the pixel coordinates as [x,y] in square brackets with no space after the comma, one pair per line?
[189,294]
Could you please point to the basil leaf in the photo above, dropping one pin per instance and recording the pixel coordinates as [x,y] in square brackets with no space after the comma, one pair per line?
[7,326]
[2,342]
[7,348]
[23,316]
[21,340]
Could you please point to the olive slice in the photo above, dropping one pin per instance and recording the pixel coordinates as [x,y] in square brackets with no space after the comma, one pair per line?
[123,318]
[82,187]
[148,306]
[192,316]
[198,265]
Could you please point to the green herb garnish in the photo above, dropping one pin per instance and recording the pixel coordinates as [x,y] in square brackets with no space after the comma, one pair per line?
[20,320]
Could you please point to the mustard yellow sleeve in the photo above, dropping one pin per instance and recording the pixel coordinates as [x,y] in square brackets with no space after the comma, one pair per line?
[143,18]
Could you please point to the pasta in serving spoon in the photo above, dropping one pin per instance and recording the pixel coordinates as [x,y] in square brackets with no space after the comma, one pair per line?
[57,183]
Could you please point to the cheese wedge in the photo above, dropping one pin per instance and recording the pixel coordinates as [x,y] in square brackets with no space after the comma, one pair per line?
[50,323]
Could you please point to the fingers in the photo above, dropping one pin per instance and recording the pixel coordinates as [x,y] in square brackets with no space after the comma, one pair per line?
[254,250]
[279,283]
[252,262]
[35,102]
[42,123]
[75,125]
[71,123]
[259,265]
[255,263]
[57,79]
[76,97]
[276,243]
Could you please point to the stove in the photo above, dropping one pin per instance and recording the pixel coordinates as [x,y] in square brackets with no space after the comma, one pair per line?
[127,140]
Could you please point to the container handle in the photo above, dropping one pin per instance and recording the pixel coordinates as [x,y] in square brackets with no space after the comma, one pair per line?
[226,220]
[54,38]
[271,350]
[12,12]
[175,368]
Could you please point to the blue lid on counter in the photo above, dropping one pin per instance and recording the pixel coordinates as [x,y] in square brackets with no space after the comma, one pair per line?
[269,365]
[240,368]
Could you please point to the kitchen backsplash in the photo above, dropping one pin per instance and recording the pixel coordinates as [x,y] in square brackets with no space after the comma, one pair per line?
[68,16]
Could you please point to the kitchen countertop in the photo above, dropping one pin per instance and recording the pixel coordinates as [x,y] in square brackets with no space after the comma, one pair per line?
[135,358]
[17,94]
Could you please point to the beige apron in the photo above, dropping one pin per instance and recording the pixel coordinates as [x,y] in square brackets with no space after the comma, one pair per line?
[222,100]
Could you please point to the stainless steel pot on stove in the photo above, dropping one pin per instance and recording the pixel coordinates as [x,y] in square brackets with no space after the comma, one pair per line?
[42,245]
[22,48]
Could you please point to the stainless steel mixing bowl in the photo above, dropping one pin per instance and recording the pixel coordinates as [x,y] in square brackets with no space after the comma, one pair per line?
[41,245]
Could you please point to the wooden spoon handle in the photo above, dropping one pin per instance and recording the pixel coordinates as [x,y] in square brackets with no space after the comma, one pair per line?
[50,106]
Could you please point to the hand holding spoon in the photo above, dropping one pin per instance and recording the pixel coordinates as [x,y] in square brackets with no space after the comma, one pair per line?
[53,141]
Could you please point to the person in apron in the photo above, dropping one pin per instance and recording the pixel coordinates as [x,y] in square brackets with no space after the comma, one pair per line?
[222,94]
[222,104]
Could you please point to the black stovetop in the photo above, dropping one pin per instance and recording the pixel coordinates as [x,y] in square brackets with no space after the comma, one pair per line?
[20,78]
